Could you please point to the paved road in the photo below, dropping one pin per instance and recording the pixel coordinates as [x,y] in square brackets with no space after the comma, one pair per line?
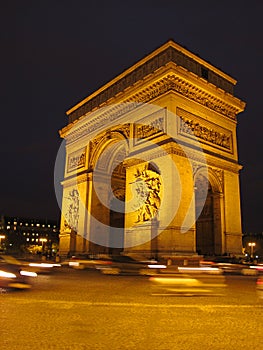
[83,310]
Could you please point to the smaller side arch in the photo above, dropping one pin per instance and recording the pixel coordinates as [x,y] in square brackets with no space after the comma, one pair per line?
[209,205]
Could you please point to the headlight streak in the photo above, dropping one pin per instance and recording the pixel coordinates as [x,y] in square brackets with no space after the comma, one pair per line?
[7,274]
[45,265]
[28,273]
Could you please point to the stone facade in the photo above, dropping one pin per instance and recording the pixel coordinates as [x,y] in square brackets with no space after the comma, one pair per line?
[152,163]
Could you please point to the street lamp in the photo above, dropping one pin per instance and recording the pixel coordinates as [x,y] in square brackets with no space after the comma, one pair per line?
[252,245]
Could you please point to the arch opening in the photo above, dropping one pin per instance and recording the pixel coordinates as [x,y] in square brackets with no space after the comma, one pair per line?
[208,213]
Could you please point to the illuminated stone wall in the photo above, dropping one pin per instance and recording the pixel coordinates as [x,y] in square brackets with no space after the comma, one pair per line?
[146,139]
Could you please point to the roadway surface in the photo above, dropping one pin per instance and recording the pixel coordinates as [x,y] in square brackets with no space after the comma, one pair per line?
[85,310]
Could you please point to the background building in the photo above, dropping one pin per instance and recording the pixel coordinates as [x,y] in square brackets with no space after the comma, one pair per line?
[28,235]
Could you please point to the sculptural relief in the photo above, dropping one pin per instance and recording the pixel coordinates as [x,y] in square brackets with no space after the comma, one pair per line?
[147,186]
[151,125]
[72,211]
[190,125]
[76,160]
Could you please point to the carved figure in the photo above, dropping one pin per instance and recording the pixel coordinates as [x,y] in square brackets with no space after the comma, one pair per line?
[147,187]
[189,126]
[72,215]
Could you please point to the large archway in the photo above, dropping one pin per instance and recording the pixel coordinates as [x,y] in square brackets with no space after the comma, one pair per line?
[108,194]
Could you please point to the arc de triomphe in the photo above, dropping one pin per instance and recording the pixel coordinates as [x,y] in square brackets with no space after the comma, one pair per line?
[152,163]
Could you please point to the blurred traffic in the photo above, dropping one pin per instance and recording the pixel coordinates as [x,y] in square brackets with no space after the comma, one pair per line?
[188,281]
[14,275]
[114,264]
[18,273]
[233,265]
[121,264]
[36,266]
[205,276]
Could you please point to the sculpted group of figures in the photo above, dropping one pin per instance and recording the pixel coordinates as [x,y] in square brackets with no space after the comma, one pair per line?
[147,187]
[189,126]
[149,129]
[72,215]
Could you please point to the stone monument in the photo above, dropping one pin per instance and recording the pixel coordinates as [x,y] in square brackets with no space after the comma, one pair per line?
[151,162]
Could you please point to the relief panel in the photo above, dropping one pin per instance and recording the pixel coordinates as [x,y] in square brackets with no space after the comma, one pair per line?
[76,160]
[206,132]
[150,126]
[71,210]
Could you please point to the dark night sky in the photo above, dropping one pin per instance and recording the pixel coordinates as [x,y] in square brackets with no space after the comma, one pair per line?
[55,53]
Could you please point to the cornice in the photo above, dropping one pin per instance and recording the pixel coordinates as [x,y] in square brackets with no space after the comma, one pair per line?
[170,52]
[169,82]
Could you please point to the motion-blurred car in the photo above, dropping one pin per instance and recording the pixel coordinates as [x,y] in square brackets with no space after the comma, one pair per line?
[42,267]
[185,284]
[123,264]
[189,281]
[13,276]
[33,266]
[87,261]
[231,265]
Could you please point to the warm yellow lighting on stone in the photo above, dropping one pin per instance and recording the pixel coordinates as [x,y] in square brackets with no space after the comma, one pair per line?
[152,163]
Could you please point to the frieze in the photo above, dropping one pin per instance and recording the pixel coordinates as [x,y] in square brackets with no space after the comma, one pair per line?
[191,125]
[190,91]
[164,85]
